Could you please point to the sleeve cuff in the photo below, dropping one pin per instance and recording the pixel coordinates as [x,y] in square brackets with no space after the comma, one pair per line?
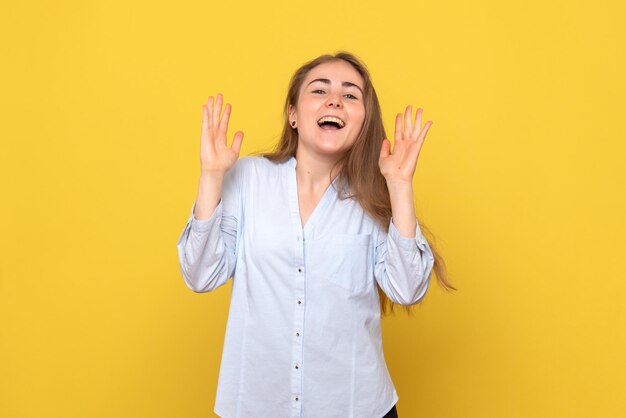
[203,225]
[405,242]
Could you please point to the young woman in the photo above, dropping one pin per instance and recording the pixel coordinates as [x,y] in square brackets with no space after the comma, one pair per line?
[319,237]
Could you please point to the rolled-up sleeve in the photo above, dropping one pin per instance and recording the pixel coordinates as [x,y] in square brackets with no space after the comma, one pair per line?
[403,266]
[207,249]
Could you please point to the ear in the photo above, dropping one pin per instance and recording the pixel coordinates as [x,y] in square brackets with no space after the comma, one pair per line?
[292,111]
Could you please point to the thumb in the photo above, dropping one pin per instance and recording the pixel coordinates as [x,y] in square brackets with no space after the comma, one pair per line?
[237,140]
[384,150]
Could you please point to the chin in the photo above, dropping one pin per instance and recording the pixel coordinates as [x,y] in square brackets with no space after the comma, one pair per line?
[328,147]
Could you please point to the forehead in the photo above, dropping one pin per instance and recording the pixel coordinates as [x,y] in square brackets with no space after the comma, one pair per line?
[335,71]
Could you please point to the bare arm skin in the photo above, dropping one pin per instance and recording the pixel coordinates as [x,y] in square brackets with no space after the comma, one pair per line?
[216,157]
[398,168]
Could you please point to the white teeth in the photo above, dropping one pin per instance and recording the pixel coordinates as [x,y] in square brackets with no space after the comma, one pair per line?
[331,119]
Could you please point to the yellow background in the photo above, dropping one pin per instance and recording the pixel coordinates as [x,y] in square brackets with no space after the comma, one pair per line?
[521,179]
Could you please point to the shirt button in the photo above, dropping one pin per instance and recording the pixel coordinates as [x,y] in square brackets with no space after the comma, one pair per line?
[299,270]
[297,366]
[299,302]
[297,398]
[297,334]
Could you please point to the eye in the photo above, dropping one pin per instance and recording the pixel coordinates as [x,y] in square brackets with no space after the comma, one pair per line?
[351,96]
[315,91]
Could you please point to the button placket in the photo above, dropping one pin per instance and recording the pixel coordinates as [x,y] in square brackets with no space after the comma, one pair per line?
[297,349]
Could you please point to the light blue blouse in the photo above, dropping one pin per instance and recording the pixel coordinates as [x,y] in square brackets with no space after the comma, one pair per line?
[303,337]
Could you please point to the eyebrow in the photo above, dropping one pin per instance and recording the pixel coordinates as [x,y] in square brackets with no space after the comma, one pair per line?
[345,83]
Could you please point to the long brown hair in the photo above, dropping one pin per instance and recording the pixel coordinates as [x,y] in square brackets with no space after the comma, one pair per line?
[359,175]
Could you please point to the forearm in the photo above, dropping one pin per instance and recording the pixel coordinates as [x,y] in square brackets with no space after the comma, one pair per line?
[209,194]
[403,207]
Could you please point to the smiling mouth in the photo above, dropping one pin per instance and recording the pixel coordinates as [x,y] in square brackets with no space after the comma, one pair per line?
[330,123]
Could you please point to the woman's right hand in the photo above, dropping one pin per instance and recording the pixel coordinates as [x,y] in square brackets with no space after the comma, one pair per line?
[216,157]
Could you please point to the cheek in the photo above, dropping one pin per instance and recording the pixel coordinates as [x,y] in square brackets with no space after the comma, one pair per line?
[361,120]
[360,112]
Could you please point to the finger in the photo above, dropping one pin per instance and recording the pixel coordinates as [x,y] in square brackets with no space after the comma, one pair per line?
[384,149]
[398,133]
[408,125]
[418,123]
[422,136]
[218,110]
[237,140]
[210,112]
[205,119]
[414,151]
[223,127]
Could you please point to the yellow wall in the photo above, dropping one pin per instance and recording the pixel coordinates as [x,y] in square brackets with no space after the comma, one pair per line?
[521,179]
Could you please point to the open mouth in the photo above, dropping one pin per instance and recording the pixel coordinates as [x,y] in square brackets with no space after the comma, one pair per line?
[330,123]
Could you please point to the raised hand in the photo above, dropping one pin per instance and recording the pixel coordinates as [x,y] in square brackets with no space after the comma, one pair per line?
[400,166]
[215,155]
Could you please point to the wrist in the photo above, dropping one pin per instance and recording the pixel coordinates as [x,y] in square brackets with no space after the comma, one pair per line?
[212,174]
[399,184]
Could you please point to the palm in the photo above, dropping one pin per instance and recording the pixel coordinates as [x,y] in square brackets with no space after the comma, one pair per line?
[408,141]
[215,154]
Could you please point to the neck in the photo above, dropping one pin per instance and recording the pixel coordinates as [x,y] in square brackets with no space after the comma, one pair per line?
[314,173]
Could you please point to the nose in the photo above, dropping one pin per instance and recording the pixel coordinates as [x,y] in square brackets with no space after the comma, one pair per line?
[334,101]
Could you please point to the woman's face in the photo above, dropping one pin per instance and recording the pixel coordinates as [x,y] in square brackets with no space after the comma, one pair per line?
[330,110]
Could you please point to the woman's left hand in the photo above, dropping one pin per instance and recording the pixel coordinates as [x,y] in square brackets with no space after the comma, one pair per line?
[400,166]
